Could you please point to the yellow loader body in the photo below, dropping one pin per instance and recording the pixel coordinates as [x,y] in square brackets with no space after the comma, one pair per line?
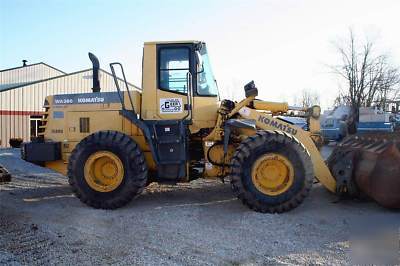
[111,145]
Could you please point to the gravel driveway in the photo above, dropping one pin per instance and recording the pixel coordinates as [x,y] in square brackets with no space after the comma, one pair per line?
[41,222]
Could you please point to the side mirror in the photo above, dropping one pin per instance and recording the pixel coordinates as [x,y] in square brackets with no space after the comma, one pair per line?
[199,60]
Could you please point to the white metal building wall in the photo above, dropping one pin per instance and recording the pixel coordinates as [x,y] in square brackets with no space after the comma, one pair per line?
[17,105]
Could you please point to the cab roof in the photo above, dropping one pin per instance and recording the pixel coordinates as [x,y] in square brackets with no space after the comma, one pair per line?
[171,42]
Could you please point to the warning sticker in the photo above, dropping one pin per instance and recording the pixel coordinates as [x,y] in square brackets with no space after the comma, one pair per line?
[171,105]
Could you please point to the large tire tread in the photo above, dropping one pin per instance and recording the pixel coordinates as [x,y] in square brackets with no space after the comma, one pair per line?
[134,160]
[243,152]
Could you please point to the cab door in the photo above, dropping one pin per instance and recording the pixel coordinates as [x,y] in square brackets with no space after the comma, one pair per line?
[170,129]
[175,69]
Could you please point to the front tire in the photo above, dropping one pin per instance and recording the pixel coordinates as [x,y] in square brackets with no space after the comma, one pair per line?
[107,170]
[271,172]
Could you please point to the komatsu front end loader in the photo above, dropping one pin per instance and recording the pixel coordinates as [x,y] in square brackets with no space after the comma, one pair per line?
[176,129]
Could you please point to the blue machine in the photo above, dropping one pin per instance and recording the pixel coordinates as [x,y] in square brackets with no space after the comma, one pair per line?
[375,120]
[333,129]
[298,121]
[396,119]
[368,127]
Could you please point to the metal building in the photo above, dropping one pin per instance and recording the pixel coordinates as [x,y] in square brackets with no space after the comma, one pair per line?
[23,90]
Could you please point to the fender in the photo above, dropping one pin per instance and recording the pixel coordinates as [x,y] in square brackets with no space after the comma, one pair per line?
[268,122]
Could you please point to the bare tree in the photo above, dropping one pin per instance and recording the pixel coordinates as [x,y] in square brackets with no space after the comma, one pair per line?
[388,86]
[369,76]
[307,98]
[341,99]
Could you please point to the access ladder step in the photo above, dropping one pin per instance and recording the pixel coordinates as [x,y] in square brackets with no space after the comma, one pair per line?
[169,140]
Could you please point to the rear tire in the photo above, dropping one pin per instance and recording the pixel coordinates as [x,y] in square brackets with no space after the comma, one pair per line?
[281,145]
[127,155]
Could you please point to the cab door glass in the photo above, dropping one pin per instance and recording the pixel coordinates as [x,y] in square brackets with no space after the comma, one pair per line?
[173,67]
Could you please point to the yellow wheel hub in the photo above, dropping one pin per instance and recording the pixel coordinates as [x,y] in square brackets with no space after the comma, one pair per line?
[103,171]
[272,174]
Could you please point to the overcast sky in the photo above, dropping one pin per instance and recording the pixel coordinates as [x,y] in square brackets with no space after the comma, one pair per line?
[284,46]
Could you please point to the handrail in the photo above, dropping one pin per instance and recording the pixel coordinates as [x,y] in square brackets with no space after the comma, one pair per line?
[189,82]
[117,85]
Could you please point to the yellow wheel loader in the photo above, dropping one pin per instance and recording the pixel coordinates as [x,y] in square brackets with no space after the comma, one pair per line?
[176,129]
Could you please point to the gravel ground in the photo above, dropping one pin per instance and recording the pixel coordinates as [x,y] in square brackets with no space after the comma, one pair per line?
[42,223]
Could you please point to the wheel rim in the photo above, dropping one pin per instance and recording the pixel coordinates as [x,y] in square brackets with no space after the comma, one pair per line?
[104,171]
[272,174]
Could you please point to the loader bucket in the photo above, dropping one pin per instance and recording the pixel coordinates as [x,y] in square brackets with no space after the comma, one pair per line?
[369,165]
[4,175]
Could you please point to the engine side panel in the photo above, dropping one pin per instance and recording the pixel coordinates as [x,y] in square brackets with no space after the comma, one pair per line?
[72,117]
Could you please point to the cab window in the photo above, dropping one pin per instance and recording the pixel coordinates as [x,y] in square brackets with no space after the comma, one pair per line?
[206,84]
[173,67]
[329,123]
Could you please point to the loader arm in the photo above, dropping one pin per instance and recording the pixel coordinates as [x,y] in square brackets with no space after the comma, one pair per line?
[268,122]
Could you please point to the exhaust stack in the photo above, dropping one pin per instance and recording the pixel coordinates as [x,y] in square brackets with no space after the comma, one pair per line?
[96,67]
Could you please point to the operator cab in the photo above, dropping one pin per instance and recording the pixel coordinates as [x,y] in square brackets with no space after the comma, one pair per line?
[178,84]
[179,98]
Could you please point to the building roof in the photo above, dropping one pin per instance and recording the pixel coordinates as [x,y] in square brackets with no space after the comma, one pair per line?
[58,77]
[19,76]
[35,64]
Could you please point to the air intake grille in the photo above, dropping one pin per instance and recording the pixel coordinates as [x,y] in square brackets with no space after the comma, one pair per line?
[84,125]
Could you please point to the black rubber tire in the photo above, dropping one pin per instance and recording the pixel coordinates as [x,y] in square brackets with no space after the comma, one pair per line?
[261,143]
[132,158]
